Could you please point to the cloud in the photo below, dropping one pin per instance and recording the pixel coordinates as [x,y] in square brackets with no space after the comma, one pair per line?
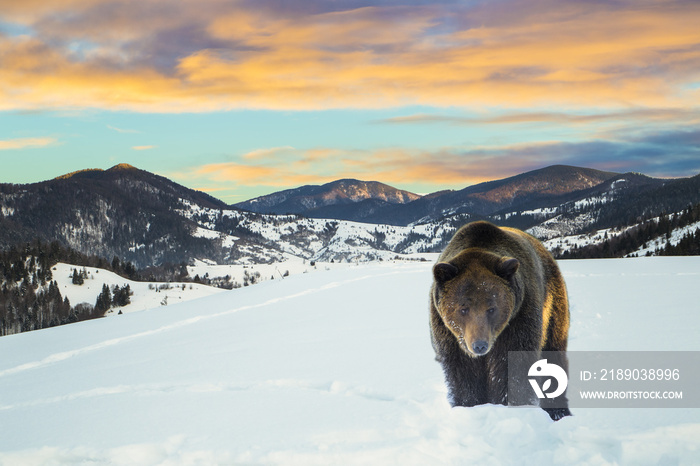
[267,153]
[143,147]
[121,130]
[641,114]
[456,167]
[157,56]
[450,167]
[26,143]
[239,174]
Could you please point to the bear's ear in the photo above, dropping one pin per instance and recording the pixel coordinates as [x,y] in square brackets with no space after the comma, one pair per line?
[443,272]
[507,267]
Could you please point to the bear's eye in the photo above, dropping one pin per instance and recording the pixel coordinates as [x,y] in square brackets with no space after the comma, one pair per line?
[490,311]
[464,311]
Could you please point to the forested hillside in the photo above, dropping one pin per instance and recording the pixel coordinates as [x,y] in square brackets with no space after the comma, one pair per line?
[29,296]
[654,235]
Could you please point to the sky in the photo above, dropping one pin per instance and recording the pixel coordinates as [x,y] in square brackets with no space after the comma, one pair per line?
[241,98]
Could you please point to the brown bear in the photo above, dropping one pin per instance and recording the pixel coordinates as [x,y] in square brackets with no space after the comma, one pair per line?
[496,290]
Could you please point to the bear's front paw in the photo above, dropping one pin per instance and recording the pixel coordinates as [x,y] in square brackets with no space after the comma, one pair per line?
[557,413]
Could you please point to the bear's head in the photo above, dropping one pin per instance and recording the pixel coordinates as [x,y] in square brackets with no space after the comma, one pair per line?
[474,293]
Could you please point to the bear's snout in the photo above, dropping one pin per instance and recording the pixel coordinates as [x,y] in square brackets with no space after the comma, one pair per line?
[480,347]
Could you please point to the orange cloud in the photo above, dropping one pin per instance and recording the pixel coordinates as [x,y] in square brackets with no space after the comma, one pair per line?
[267,153]
[660,115]
[396,166]
[32,10]
[270,167]
[535,54]
[453,167]
[25,143]
[236,173]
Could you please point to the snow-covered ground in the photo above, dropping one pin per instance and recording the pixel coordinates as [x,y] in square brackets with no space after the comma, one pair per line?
[291,266]
[330,368]
[145,295]
[148,295]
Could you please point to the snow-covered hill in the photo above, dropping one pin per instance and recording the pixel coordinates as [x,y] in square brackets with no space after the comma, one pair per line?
[562,244]
[333,367]
[278,238]
[146,295]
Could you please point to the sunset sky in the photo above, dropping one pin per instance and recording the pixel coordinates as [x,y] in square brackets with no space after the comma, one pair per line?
[245,97]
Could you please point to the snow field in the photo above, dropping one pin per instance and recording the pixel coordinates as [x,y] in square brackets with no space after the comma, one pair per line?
[146,295]
[275,271]
[330,368]
[291,266]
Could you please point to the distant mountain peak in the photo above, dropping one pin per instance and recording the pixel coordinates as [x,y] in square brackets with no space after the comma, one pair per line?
[122,166]
[552,180]
[78,172]
[336,193]
[90,171]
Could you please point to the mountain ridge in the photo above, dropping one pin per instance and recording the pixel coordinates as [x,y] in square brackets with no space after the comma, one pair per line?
[339,192]
[482,199]
[150,220]
[105,212]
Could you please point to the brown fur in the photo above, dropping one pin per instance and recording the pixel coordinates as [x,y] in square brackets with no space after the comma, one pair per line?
[495,290]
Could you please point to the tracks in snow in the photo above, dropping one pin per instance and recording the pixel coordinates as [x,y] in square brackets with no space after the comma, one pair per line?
[65,355]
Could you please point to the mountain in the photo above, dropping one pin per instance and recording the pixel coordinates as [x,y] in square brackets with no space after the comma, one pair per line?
[377,203]
[126,178]
[534,187]
[149,220]
[122,211]
[315,201]
[631,214]
[546,186]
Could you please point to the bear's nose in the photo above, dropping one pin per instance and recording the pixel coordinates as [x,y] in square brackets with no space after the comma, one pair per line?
[480,346]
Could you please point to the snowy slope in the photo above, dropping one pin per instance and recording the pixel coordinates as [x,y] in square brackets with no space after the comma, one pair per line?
[291,266]
[145,295]
[283,237]
[567,243]
[330,368]
[675,237]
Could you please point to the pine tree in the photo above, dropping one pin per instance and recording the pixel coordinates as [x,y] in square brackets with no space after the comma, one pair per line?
[78,277]
[121,296]
[104,300]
